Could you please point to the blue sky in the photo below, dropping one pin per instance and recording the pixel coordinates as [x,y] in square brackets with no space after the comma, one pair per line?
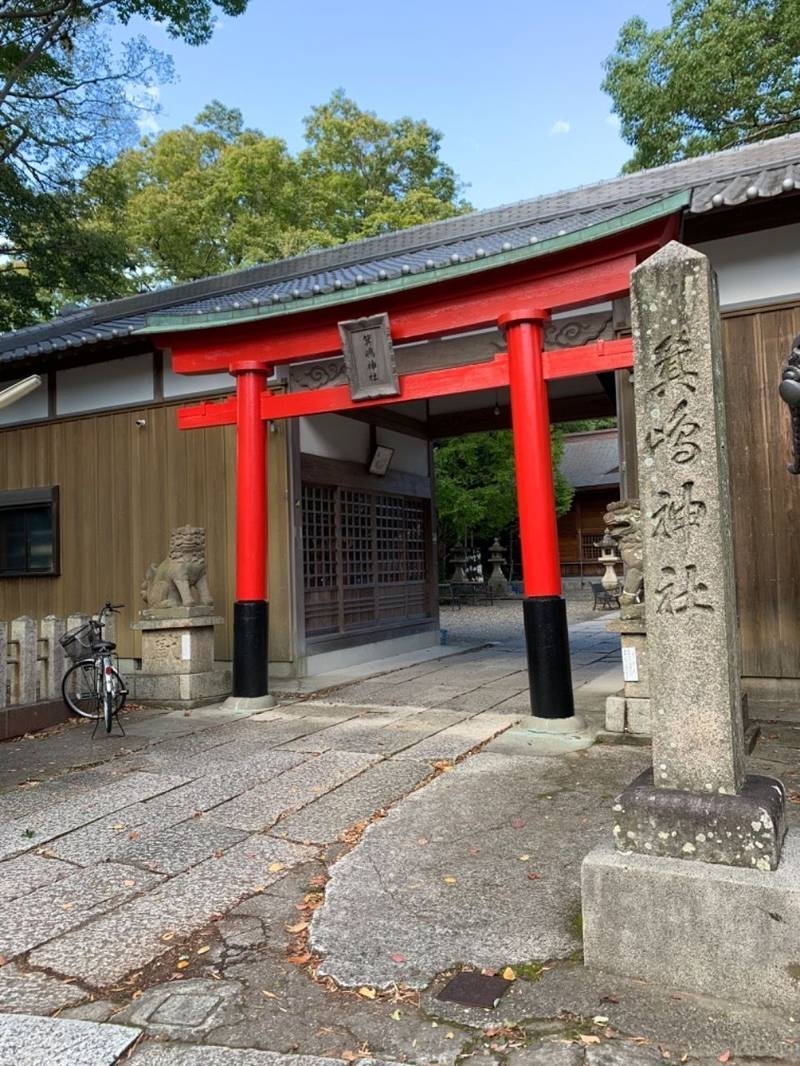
[514,86]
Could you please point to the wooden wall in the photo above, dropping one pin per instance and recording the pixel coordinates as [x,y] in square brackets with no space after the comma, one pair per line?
[585,516]
[123,488]
[765,497]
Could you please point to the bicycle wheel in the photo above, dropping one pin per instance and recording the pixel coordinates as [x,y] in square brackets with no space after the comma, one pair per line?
[80,689]
[120,692]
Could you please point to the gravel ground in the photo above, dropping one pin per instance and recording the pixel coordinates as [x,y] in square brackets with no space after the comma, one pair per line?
[502,622]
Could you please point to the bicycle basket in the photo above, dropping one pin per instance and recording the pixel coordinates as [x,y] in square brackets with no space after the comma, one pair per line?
[77,642]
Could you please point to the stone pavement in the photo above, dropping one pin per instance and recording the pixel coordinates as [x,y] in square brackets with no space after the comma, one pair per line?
[295,887]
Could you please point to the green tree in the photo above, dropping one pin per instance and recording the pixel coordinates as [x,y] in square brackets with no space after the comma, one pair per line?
[476,491]
[722,73]
[215,196]
[70,97]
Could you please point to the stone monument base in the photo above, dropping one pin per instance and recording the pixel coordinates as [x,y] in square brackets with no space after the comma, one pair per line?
[746,829]
[695,926]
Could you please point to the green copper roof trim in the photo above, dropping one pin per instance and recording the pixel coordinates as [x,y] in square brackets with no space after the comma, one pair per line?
[165,323]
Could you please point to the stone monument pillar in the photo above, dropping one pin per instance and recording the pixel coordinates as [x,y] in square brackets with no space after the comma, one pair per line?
[177,627]
[689,893]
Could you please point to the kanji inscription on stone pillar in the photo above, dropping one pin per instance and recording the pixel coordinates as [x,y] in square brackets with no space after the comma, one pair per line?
[688,548]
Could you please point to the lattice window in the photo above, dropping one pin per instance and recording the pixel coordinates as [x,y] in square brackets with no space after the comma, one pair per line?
[365,559]
[590,548]
[356,537]
[319,537]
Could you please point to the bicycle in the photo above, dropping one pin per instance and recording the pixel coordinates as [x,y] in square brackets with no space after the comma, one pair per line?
[93,687]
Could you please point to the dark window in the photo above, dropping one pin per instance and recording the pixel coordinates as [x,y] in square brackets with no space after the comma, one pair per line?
[29,532]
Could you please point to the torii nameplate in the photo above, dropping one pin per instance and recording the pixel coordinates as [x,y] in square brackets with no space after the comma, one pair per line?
[369,357]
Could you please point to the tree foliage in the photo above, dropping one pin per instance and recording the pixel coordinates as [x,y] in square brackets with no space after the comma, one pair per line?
[216,196]
[70,97]
[475,485]
[722,73]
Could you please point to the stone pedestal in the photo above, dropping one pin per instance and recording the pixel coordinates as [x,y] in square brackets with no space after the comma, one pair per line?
[178,659]
[498,582]
[629,710]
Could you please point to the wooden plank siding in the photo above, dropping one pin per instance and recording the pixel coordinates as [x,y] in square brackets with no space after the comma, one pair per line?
[123,488]
[765,497]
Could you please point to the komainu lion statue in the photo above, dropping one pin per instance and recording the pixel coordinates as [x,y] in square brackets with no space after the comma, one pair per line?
[624,521]
[175,580]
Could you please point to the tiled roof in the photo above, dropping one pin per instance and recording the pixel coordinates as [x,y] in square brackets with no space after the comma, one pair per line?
[591,459]
[430,252]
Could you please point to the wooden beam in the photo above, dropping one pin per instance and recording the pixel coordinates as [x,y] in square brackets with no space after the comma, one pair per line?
[470,303]
[394,420]
[562,409]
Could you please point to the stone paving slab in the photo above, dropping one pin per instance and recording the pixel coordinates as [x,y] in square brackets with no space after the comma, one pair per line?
[29,992]
[152,1055]
[106,838]
[184,1010]
[173,850]
[386,736]
[482,866]
[51,911]
[356,800]
[28,872]
[108,948]
[26,1040]
[19,836]
[260,807]
[457,740]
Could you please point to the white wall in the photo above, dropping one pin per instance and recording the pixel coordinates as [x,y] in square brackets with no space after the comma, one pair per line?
[756,267]
[188,384]
[29,409]
[410,453]
[335,437]
[117,383]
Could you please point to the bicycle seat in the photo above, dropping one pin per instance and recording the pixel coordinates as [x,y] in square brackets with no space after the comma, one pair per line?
[103,646]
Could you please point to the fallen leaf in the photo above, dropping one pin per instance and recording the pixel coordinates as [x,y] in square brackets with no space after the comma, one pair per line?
[269,995]
[166,937]
[600,1019]
[300,960]
[509,974]
[367,993]
[450,1036]
[276,867]
[724,1057]
[474,851]
[517,823]
[67,906]
[298,927]
[118,826]
[450,880]
[396,1015]
[397,957]
[129,883]
[134,835]
[589,1039]
[524,858]
[203,949]
[350,1056]
[534,877]
[3,960]
[182,964]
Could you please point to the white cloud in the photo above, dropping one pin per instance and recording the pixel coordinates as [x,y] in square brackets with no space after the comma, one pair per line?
[148,124]
[560,126]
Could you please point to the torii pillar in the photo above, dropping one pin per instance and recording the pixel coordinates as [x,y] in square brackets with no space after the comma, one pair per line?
[251,607]
[544,609]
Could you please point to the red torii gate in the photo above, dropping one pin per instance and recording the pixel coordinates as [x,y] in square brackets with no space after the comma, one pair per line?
[518,299]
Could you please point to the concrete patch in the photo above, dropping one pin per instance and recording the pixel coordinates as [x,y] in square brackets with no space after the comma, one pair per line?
[481,866]
[458,739]
[26,1040]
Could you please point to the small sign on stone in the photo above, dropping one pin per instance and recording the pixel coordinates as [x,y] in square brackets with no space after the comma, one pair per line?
[369,357]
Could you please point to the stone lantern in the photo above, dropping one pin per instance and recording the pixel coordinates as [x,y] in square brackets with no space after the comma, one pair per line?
[458,557]
[609,558]
[497,579]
